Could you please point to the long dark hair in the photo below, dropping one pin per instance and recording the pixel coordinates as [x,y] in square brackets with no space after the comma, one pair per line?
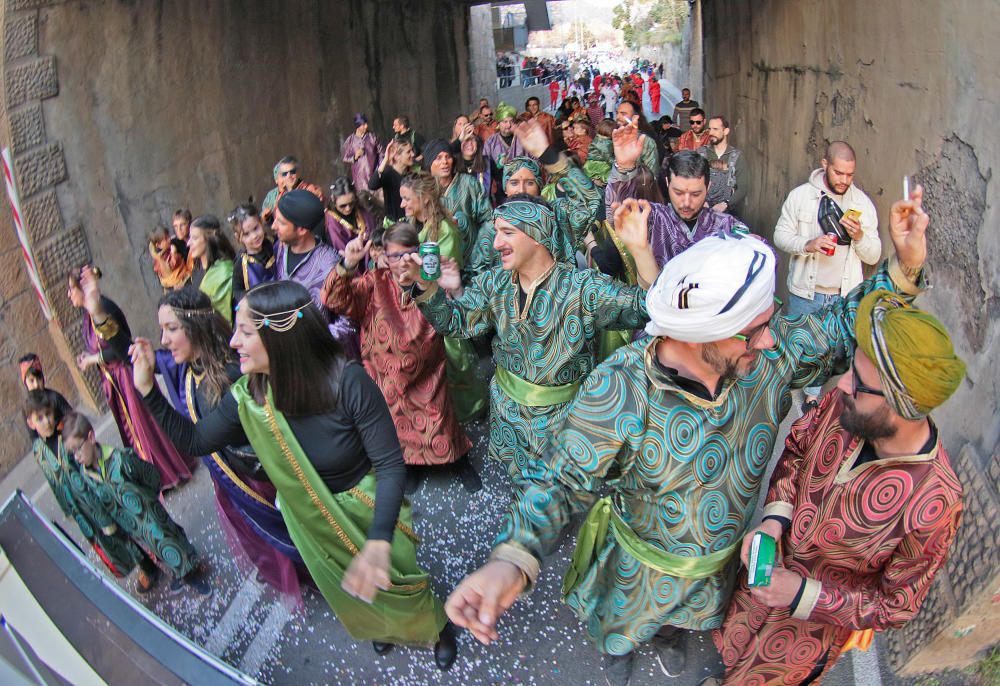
[216,241]
[208,333]
[478,165]
[306,362]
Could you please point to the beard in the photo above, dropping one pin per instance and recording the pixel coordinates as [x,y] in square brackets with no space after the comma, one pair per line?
[872,426]
[727,369]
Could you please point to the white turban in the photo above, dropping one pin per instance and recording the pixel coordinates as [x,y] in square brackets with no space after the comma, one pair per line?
[712,290]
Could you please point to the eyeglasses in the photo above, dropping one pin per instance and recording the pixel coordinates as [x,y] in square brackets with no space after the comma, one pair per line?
[860,387]
[752,337]
[397,256]
[288,172]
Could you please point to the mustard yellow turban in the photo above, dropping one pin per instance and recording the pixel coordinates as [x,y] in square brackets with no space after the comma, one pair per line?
[912,351]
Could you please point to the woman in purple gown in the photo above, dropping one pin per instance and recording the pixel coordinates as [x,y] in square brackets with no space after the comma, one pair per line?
[103,321]
[361,151]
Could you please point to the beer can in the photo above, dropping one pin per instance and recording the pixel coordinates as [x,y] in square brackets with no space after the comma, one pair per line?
[761,563]
[430,256]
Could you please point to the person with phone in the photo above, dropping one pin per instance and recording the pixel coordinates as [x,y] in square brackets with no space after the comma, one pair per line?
[829,227]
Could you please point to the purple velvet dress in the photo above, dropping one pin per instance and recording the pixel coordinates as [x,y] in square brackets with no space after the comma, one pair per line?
[137,427]
[252,524]
[342,230]
[361,168]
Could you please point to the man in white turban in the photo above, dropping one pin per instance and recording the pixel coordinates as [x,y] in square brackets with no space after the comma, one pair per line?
[681,427]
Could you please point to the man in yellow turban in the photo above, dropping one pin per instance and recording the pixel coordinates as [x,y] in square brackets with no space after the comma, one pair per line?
[863,500]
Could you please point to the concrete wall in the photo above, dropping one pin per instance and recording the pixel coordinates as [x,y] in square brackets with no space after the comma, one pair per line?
[482,57]
[121,112]
[913,87]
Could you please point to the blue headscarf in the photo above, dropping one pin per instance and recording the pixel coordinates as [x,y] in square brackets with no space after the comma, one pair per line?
[516,164]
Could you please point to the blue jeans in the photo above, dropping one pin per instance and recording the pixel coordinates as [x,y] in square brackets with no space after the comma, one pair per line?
[798,306]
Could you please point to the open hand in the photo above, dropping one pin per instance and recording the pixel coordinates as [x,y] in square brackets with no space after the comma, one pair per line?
[478,601]
[368,571]
[532,137]
[451,278]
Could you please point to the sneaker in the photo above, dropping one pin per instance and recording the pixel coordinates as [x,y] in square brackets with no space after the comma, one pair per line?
[176,586]
[617,668]
[468,476]
[199,586]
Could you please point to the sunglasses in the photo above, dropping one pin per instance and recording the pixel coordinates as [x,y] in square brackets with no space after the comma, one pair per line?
[697,121]
[860,387]
[345,205]
[288,172]
[752,337]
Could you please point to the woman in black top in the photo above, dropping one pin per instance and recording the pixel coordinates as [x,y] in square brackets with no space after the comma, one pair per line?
[397,163]
[323,433]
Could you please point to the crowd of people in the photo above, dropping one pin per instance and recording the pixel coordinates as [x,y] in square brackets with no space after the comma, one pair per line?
[322,364]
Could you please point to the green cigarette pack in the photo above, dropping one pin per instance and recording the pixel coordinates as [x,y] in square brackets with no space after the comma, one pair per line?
[762,552]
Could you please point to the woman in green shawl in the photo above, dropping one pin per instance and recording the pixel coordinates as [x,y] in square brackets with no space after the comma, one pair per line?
[323,433]
[212,254]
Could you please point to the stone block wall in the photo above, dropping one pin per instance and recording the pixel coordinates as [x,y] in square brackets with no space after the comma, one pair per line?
[913,90]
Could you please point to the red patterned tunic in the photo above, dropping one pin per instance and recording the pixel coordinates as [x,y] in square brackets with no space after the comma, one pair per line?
[405,356]
[868,539]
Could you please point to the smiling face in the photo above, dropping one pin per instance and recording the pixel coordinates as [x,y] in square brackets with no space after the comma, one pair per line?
[405,156]
[285,230]
[173,337]
[410,202]
[460,123]
[687,195]
[252,235]
[247,343]
[522,181]
[506,126]
[732,358]
[515,246]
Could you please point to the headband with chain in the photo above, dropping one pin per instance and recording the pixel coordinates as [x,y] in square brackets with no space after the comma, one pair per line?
[277,321]
[192,312]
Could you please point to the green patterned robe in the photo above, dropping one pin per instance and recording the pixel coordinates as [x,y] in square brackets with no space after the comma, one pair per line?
[91,514]
[684,472]
[470,207]
[129,487]
[554,343]
[575,210]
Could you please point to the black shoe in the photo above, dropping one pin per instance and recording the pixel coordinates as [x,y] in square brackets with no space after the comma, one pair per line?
[382,648]
[617,668]
[468,476]
[446,649]
[146,581]
[809,404]
[671,653]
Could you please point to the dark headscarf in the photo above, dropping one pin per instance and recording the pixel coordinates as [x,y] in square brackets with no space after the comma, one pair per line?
[432,149]
[302,208]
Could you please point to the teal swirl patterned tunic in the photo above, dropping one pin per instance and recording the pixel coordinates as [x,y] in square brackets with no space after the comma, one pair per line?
[684,472]
[552,341]
[470,207]
[128,488]
[576,207]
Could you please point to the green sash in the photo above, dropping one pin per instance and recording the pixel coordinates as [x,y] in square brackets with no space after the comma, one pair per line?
[594,531]
[526,393]
[217,284]
[329,529]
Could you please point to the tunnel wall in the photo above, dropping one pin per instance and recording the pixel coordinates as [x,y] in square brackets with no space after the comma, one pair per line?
[119,112]
[913,87]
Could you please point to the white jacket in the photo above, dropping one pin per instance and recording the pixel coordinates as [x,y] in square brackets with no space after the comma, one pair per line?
[799,224]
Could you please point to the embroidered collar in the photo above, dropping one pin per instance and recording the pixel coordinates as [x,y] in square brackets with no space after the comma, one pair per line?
[529,291]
